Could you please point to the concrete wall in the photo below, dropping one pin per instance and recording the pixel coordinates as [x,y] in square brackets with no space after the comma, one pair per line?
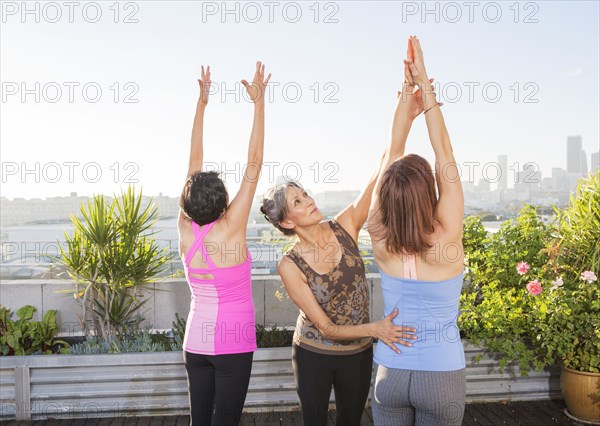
[165,299]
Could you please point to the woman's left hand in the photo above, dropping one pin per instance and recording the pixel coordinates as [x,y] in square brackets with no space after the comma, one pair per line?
[257,89]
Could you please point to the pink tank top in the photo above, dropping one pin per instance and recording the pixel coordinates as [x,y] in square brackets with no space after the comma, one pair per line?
[221,318]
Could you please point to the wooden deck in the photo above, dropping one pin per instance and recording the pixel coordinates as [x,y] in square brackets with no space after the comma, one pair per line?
[531,413]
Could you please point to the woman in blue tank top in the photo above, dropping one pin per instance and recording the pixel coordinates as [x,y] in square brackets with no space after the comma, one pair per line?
[417,243]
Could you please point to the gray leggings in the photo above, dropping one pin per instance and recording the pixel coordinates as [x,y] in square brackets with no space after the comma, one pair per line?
[422,398]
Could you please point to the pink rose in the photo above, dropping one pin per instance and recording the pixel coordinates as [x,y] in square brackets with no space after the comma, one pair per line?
[588,276]
[522,268]
[534,287]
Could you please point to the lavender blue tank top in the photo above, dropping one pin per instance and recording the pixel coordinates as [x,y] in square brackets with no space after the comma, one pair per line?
[432,307]
[221,318]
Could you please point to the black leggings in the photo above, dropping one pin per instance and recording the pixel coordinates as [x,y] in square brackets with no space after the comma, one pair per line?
[350,376]
[217,383]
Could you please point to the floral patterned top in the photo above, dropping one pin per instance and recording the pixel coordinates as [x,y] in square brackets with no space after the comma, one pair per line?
[343,294]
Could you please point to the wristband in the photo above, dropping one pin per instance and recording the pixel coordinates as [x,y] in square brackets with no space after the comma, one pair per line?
[429,109]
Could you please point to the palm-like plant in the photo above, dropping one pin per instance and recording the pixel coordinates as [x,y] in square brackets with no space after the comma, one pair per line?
[578,245]
[571,334]
[112,256]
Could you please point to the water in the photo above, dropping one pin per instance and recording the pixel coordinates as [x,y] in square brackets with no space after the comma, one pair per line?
[28,251]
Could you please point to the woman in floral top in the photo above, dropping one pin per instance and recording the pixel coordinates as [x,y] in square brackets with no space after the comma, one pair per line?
[324,274]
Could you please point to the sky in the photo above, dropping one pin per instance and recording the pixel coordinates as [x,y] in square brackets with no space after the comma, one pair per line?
[99,95]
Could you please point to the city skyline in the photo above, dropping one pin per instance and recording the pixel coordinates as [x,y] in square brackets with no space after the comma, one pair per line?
[501,174]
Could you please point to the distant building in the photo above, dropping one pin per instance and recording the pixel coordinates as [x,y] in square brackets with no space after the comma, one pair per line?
[559,179]
[503,166]
[595,162]
[572,180]
[529,178]
[547,184]
[20,211]
[574,155]
[483,185]
[584,168]
[167,206]
[53,209]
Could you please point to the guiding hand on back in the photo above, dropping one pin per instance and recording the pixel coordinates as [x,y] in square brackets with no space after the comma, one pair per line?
[390,334]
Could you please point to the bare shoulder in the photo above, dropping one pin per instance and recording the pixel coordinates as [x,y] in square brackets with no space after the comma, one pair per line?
[445,235]
[186,235]
[287,269]
[377,233]
[447,249]
[225,229]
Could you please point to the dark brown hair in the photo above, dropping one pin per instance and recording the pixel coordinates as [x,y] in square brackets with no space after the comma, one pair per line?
[204,197]
[407,201]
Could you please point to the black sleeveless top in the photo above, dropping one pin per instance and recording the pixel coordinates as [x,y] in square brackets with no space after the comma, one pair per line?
[342,293]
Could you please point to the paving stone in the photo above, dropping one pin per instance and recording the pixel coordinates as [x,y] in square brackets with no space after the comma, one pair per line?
[517,413]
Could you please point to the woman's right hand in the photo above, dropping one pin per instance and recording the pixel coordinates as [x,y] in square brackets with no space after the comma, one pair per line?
[204,83]
[390,334]
[417,60]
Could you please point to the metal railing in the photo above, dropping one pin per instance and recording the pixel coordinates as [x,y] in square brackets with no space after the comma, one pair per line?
[139,384]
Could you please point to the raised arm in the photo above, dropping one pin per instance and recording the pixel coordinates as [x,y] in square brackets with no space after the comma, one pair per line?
[450,207]
[299,291]
[353,217]
[408,107]
[239,209]
[196,150]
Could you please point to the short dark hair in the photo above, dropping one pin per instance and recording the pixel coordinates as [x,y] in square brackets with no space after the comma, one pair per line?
[204,197]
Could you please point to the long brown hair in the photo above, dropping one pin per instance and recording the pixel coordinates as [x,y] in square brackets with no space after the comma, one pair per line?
[407,201]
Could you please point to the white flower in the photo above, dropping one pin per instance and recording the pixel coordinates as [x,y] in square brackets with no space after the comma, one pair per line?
[588,276]
[557,284]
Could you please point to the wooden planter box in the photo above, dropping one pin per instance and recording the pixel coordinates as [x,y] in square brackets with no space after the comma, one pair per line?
[39,387]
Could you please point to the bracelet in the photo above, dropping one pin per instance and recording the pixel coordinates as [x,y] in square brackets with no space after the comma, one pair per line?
[429,109]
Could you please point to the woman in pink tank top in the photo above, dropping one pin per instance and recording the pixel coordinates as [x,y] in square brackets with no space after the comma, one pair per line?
[220,335]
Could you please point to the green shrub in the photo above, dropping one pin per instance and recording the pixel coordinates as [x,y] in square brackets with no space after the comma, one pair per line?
[143,341]
[497,312]
[496,309]
[271,338]
[26,337]
[545,313]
